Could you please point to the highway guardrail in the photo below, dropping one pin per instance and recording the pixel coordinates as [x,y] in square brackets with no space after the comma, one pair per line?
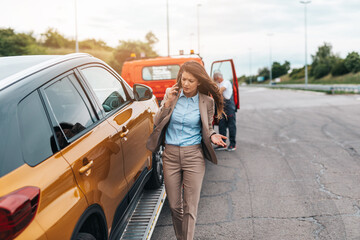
[314,87]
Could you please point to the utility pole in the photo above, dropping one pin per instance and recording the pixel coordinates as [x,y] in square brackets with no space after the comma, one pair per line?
[198,26]
[270,57]
[306,68]
[250,66]
[76,30]
[167,24]
[191,45]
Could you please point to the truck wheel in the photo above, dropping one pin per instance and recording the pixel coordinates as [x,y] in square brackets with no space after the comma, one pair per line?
[157,175]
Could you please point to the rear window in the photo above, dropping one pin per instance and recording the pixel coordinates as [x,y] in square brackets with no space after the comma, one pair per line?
[10,141]
[166,72]
[36,134]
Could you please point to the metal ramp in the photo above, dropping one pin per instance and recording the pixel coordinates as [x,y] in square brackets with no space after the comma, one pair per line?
[143,220]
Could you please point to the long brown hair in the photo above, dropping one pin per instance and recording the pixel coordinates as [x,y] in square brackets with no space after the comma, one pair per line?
[207,85]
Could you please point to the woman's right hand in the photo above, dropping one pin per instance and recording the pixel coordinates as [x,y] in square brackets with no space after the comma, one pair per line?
[218,139]
[174,90]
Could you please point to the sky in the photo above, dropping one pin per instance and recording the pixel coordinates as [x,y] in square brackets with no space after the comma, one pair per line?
[252,33]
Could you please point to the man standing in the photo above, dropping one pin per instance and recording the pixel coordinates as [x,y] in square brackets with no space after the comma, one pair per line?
[228,121]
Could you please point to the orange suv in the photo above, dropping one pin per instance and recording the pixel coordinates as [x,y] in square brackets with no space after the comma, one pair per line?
[73,158]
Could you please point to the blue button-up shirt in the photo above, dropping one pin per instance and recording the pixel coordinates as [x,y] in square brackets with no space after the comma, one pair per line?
[185,123]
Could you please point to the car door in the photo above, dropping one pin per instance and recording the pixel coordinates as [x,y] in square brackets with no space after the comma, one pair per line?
[88,143]
[31,136]
[227,69]
[130,118]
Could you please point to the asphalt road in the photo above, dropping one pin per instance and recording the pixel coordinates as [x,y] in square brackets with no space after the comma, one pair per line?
[295,173]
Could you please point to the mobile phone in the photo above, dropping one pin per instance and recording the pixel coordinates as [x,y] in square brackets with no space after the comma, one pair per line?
[177,85]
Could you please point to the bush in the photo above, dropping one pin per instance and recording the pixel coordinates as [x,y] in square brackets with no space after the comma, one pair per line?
[56,40]
[297,73]
[280,69]
[12,44]
[94,44]
[325,59]
[321,70]
[264,72]
[352,62]
[339,69]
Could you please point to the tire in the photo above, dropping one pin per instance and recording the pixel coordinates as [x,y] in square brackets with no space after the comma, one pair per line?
[157,175]
[85,236]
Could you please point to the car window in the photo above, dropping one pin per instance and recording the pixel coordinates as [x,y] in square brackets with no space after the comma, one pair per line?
[160,72]
[71,114]
[129,89]
[37,141]
[108,89]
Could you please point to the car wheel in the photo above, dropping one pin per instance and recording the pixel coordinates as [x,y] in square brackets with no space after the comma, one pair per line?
[157,175]
[85,236]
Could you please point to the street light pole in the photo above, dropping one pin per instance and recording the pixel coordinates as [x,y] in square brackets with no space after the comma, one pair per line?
[250,66]
[167,24]
[76,30]
[198,26]
[270,58]
[191,45]
[306,67]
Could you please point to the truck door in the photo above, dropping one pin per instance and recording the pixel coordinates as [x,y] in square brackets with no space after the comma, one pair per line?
[227,69]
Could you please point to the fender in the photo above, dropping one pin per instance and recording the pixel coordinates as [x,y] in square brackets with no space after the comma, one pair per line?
[100,231]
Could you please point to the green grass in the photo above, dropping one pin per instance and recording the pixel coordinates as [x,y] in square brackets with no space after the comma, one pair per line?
[350,78]
[341,92]
[322,91]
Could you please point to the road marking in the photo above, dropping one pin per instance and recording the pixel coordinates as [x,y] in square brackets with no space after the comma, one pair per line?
[255,90]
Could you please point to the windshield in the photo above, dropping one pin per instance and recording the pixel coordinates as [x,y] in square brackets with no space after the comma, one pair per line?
[160,72]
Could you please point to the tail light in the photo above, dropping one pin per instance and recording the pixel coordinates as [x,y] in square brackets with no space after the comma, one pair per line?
[17,210]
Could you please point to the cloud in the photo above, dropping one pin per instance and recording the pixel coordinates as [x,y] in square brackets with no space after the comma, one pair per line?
[228,28]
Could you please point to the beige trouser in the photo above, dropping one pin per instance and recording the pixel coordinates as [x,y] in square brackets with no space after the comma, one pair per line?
[183,166]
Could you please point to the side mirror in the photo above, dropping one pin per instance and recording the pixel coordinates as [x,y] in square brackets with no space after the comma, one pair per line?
[142,92]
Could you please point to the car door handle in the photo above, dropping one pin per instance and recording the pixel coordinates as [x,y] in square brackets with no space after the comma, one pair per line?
[85,168]
[125,132]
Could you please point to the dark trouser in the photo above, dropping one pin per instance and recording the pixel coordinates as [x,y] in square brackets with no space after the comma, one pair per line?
[229,121]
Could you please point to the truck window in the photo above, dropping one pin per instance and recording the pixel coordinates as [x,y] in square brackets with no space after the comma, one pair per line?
[160,72]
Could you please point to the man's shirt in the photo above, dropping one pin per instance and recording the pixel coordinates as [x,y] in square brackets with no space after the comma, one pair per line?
[228,88]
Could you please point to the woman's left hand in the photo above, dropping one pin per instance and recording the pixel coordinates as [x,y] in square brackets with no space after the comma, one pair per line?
[218,139]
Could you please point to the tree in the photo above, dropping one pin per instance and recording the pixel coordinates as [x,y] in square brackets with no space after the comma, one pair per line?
[264,72]
[93,44]
[126,48]
[321,70]
[339,68]
[352,62]
[55,40]
[151,38]
[280,69]
[12,44]
[323,61]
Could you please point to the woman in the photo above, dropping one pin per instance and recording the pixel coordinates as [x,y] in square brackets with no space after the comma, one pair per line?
[184,124]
